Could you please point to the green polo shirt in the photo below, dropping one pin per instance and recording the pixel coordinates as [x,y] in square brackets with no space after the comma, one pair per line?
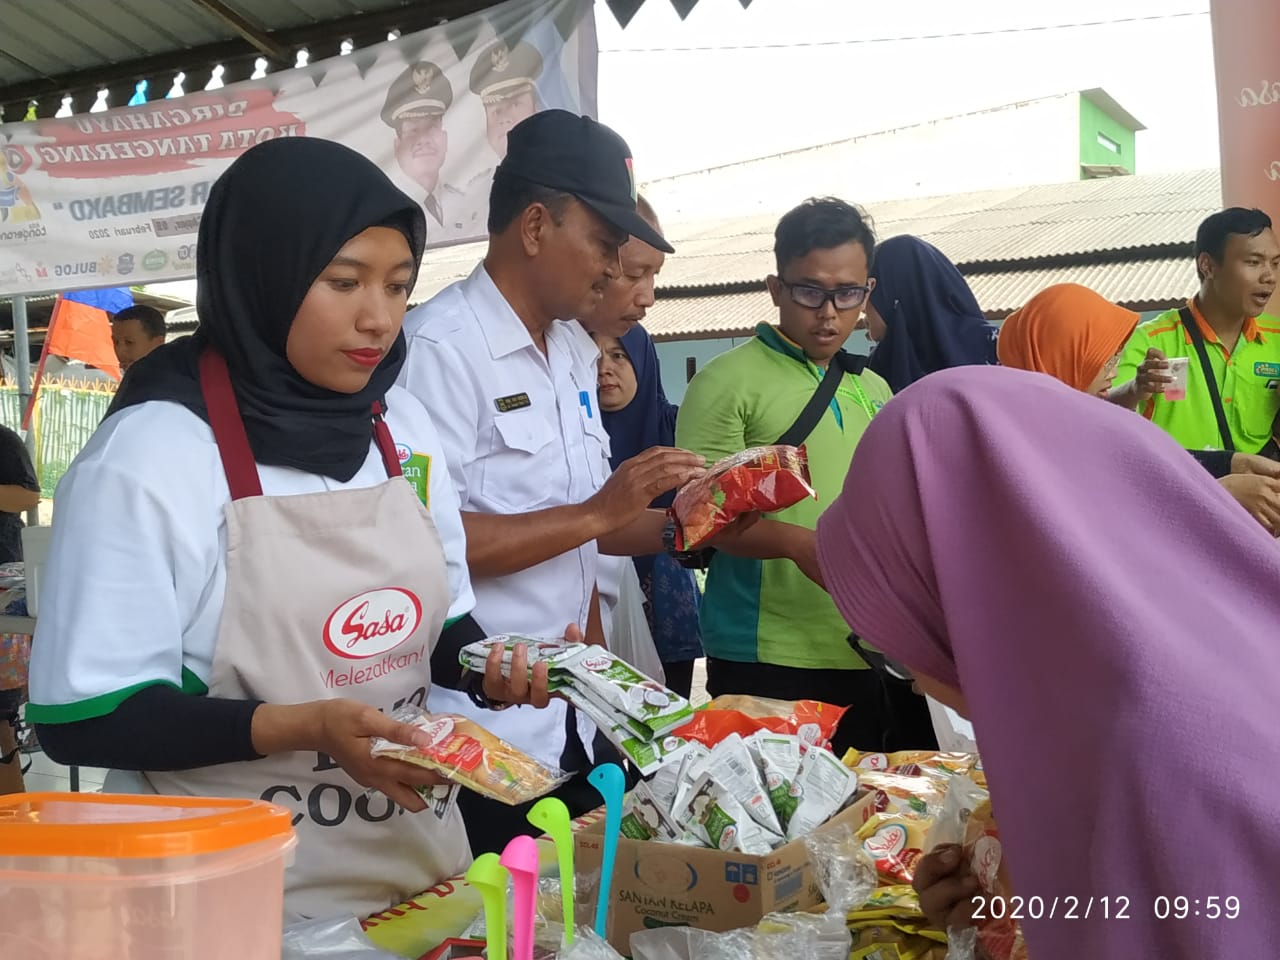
[1247,379]
[768,611]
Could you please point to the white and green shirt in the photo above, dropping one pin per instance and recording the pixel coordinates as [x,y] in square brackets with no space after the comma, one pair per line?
[132,591]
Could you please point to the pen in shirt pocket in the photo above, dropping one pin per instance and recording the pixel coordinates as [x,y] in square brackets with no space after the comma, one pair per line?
[584,398]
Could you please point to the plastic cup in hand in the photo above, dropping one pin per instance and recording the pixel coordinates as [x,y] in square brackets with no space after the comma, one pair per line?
[1178,367]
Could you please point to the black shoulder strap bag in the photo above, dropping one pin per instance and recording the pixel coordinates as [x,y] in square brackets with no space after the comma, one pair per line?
[1210,381]
[813,411]
[796,434]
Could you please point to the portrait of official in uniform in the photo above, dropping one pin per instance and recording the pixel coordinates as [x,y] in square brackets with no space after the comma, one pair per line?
[503,78]
[415,107]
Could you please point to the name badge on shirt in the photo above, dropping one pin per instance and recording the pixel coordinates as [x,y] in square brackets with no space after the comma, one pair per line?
[517,401]
[1270,371]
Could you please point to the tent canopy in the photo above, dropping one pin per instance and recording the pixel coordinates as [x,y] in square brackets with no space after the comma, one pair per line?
[50,49]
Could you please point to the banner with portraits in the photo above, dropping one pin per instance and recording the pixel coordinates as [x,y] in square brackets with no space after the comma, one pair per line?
[114,198]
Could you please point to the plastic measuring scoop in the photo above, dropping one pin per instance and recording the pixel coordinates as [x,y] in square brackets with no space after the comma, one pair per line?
[611,783]
[551,816]
[521,858]
[489,876]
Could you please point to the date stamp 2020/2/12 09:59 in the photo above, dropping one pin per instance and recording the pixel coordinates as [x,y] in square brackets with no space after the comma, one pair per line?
[1103,908]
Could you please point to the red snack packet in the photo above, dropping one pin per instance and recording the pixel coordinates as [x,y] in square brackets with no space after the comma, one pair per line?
[810,720]
[765,479]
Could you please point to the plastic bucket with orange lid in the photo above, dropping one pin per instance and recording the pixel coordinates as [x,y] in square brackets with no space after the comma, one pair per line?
[105,877]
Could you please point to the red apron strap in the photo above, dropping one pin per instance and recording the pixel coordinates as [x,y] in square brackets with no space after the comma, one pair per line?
[233,441]
[386,445]
[228,426]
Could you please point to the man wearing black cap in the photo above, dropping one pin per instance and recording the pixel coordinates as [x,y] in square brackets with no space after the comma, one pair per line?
[511,387]
[415,107]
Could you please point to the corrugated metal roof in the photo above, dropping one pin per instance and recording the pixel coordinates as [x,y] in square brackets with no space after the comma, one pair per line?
[978,231]
[728,315]
[1154,284]
[1137,284]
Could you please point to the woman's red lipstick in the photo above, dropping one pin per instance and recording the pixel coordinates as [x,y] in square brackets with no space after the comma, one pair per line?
[366,357]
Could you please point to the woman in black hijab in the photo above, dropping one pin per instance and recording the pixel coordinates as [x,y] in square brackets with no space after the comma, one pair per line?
[242,586]
[272,221]
[922,314]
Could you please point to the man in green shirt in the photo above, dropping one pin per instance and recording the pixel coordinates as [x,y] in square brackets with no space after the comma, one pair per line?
[1238,261]
[769,629]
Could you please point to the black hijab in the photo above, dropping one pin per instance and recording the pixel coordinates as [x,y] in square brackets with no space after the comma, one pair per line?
[274,220]
[932,318]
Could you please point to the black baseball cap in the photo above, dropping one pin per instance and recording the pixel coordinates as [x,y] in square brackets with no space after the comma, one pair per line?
[563,151]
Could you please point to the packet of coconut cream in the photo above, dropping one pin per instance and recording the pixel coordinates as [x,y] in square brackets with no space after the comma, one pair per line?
[692,766]
[645,819]
[648,755]
[620,686]
[718,820]
[825,786]
[733,767]
[474,656]
[778,755]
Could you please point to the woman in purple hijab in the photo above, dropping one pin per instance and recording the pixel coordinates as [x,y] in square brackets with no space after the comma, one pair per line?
[1058,571]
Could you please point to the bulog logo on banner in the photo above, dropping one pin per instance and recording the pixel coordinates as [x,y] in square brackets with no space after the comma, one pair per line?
[115,197]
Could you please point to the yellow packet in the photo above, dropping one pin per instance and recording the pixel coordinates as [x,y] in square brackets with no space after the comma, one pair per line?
[929,763]
[894,900]
[920,796]
[472,757]
[895,842]
[887,943]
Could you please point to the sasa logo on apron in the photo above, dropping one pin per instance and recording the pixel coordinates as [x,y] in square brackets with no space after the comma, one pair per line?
[373,622]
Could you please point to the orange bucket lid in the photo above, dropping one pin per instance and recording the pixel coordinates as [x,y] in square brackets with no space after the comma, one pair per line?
[128,826]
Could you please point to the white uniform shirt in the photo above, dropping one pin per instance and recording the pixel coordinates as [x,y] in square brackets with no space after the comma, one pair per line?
[460,217]
[133,587]
[521,433]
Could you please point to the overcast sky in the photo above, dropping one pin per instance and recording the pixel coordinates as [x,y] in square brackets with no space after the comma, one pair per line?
[729,84]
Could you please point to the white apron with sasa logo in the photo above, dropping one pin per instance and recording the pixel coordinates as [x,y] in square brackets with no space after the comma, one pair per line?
[334,594]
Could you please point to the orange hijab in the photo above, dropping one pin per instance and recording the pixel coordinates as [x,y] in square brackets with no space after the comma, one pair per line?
[1066,331]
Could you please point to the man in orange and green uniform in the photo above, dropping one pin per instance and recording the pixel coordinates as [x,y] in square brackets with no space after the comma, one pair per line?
[1238,260]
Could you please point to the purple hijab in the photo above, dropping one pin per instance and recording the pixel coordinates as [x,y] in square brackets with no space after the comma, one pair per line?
[1110,615]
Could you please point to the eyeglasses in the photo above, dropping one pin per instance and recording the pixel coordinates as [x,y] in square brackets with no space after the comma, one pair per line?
[815,298]
[879,662]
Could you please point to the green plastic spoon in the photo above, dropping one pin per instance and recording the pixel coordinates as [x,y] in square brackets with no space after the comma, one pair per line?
[551,816]
[489,876]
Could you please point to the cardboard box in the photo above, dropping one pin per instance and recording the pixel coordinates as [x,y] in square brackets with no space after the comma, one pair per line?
[669,884]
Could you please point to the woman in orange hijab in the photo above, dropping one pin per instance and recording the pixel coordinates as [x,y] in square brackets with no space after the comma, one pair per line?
[1070,333]
[1077,336]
